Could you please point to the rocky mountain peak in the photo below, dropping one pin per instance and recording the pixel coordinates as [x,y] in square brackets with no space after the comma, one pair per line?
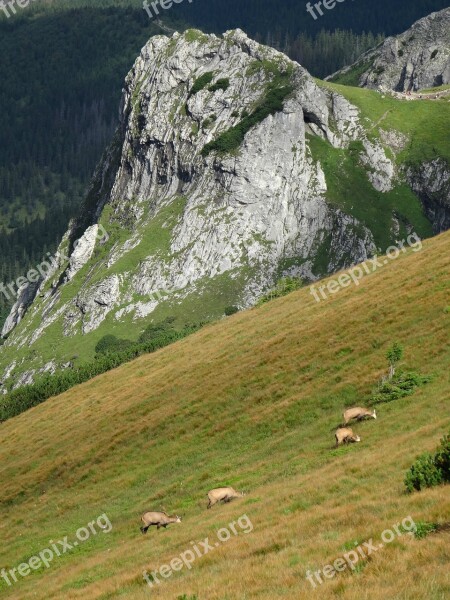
[214,187]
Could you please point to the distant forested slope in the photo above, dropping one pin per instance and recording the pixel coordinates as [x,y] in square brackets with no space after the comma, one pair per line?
[277,17]
[61,77]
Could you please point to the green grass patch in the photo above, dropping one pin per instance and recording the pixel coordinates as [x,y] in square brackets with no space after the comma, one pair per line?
[351,191]
[439,88]
[426,123]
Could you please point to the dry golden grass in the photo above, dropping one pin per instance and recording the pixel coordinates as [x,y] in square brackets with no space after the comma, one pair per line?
[250,402]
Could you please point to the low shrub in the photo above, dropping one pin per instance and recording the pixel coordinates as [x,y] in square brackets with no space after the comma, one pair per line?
[156,330]
[110,343]
[221,84]
[201,82]
[423,473]
[442,458]
[403,384]
[284,286]
[430,470]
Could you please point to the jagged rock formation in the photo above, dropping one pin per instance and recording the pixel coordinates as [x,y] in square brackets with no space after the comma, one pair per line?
[417,59]
[209,190]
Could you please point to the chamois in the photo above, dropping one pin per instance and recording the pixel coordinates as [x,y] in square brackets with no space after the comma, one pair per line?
[345,435]
[358,413]
[224,494]
[160,519]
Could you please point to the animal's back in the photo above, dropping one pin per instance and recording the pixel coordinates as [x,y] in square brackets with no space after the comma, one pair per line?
[343,432]
[352,412]
[153,516]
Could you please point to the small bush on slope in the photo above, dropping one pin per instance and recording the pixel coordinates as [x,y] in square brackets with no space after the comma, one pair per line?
[284,286]
[201,83]
[403,384]
[111,343]
[429,470]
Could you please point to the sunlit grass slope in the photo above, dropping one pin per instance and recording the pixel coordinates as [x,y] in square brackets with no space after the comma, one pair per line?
[251,402]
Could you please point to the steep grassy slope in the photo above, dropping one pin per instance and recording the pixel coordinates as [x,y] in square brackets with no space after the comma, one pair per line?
[251,402]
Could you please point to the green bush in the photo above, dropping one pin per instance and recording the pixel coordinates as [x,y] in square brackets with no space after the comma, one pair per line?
[423,473]
[221,84]
[403,384]
[156,330]
[110,343]
[201,82]
[394,354]
[430,470]
[442,458]
[231,310]
[284,286]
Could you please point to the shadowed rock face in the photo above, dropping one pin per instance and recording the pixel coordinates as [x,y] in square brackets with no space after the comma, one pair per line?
[177,219]
[431,183]
[417,59]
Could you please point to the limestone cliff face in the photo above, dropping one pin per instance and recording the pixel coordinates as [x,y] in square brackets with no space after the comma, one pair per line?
[417,59]
[179,222]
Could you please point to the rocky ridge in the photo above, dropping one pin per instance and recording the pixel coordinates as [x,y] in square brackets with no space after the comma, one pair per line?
[417,59]
[178,220]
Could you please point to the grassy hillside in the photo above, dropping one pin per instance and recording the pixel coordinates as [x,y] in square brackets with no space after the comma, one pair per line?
[425,123]
[251,402]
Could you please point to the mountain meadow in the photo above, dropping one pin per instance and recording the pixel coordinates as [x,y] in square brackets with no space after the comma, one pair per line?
[251,401]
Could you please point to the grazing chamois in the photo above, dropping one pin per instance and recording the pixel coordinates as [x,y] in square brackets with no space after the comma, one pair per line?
[160,519]
[345,435]
[223,494]
[358,413]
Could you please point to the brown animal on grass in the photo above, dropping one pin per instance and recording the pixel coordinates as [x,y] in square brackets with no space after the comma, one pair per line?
[160,519]
[223,494]
[345,435]
[358,413]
